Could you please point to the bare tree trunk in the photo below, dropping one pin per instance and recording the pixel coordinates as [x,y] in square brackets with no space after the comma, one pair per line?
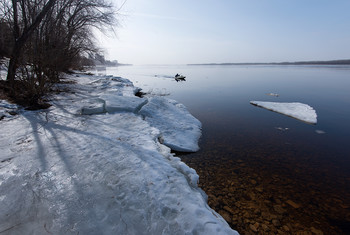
[11,72]
[21,39]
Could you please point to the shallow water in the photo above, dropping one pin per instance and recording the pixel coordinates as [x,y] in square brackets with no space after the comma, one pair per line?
[263,171]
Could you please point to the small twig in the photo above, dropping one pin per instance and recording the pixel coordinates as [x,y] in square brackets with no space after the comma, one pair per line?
[9,228]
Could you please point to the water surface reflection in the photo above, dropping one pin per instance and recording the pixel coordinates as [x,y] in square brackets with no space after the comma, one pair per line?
[265,172]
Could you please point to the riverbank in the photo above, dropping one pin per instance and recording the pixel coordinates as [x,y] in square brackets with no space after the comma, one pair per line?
[95,162]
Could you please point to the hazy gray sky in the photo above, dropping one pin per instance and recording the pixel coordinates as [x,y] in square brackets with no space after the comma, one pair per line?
[204,31]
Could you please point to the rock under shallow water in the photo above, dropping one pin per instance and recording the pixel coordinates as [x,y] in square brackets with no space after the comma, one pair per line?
[280,194]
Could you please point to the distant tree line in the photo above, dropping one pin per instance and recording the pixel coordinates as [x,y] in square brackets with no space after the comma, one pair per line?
[43,38]
[321,62]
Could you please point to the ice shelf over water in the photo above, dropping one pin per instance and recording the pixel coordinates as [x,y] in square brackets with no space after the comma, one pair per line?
[180,130]
[65,172]
[296,110]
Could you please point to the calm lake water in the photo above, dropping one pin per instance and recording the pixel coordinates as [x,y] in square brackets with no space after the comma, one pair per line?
[249,162]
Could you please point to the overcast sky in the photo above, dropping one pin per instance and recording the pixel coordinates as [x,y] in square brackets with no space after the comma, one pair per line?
[204,31]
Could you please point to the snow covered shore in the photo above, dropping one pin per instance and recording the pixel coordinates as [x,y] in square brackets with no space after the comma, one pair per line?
[94,163]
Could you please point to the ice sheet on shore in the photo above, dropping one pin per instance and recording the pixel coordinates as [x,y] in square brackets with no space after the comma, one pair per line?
[66,173]
[179,129]
[296,110]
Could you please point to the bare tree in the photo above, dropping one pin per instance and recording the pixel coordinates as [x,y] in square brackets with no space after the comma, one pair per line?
[21,36]
[73,25]
[50,36]
[5,39]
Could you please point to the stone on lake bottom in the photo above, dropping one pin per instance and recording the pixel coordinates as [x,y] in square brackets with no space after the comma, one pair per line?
[229,209]
[254,227]
[279,209]
[293,204]
[316,231]
[225,215]
[276,223]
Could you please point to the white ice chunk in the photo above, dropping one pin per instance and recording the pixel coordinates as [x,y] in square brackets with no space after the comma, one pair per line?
[296,110]
[115,103]
[282,128]
[116,85]
[157,92]
[180,131]
[273,94]
[320,132]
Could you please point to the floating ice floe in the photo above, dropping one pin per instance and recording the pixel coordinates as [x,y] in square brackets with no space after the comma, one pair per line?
[65,173]
[273,94]
[296,110]
[282,128]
